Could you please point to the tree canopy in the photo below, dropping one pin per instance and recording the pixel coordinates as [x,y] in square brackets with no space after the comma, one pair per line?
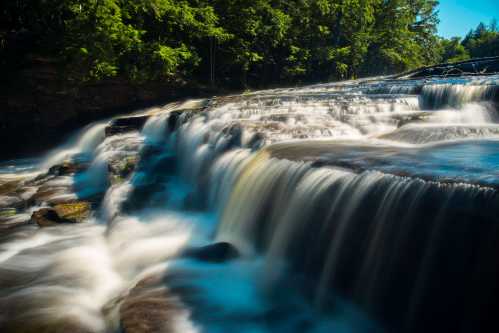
[231,42]
[483,41]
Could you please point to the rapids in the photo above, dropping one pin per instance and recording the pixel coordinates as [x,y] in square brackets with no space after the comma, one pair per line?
[359,206]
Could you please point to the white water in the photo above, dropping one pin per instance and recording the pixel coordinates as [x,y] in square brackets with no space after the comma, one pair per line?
[210,180]
[91,136]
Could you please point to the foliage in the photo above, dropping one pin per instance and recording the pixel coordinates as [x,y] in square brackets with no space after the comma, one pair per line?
[231,42]
[453,50]
[483,41]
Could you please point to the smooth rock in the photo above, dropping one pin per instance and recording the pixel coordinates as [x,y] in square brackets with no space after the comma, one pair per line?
[218,252]
[150,308]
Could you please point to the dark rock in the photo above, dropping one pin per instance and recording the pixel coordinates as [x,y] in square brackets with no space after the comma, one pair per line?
[66,168]
[234,135]
[126,124]
[173,120]
[478,66]
[256,141]
[218,252]
[47,217]
[178,117]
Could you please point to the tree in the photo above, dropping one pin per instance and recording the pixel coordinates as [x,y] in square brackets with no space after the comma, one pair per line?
[452,50]
[483,41]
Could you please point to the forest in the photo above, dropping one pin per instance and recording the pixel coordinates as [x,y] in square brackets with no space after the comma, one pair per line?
[230,43]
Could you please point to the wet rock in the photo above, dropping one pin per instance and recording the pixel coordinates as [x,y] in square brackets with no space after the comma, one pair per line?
[47,217]
[66,168]
[75,212]
[173,120]
[7,212]
[178,117]
[15,194]
[126,124]
[27,192]
[256,142]
[9,187]
[151,308]
[233,135]
[121,169]
[7,215]
[52,196]
[218,252]
[7,201]
[63,325]
[62,214]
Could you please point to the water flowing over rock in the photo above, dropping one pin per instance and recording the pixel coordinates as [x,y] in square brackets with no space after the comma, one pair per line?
[360,206]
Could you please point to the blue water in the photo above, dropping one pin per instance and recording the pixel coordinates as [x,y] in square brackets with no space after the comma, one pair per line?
[475,162]
[19,166]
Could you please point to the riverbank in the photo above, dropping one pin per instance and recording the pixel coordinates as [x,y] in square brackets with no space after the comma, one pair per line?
[39,109]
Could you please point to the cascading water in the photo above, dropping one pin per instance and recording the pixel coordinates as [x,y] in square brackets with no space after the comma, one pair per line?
[360,206]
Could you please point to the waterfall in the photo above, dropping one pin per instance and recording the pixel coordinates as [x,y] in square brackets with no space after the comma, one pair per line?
[370,237]
[155,127]
[364,206]
[436,96]
[85,142]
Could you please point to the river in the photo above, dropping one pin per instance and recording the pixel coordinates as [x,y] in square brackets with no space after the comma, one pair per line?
[359,206]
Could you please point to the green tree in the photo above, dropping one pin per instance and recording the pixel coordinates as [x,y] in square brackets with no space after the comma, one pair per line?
[452,50]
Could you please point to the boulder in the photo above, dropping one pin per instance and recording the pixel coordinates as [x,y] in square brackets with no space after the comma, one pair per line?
[233,135]
[74,212]
[218,252]
[62,214]
[47,217]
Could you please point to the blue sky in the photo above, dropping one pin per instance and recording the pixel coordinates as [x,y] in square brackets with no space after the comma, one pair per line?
[457,17]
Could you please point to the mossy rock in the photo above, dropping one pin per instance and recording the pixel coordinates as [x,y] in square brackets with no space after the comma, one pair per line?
[7,212]
[75,211]
[68,213]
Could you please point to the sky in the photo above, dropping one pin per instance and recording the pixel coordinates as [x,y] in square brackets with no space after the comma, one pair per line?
[457,17]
